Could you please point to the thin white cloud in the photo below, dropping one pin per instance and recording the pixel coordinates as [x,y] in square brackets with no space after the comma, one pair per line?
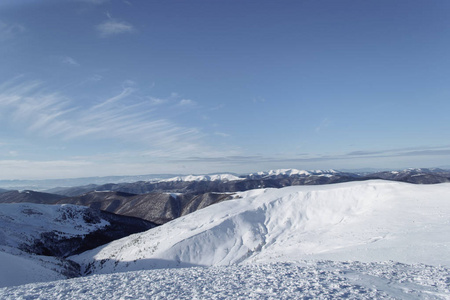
[186,102]
[95,78]
[324,124]
[222,134]
[112,27]
[67,60]
[8,31]
[259,100]
[156,101]
[122,117]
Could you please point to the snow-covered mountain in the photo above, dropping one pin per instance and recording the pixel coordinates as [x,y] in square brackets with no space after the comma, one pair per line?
[283,173]
[29,197]
[35,238]
[414,175]
[364,221]
[216,177]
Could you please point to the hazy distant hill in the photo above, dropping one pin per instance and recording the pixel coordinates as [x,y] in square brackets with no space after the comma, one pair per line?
[29,197]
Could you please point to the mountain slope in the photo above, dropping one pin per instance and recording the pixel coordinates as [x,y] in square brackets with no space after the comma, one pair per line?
[366,221]
[35,238]
[29,197]
[154,207]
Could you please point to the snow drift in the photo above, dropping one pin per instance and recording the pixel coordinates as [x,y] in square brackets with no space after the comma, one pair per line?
[364,221]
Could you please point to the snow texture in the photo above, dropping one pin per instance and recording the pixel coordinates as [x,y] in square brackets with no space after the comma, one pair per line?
[302,280]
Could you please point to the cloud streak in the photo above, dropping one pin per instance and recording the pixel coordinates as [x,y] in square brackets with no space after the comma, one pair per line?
[67,60]
[111,27]
[9,31]
[121,117]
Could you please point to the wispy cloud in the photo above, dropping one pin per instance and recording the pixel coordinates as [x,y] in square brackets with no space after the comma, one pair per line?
[222,134]
[156,101]
[121,116]
[324,124]
[113,27]
[67,60]
[8,31]
[186,102]
[257,100]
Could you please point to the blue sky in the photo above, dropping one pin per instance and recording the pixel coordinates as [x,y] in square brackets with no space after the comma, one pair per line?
[98,87]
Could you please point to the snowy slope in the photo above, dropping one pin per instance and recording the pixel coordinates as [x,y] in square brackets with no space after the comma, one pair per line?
[18,267]
[366,221]
[22,229]
[304,280]
[22,223]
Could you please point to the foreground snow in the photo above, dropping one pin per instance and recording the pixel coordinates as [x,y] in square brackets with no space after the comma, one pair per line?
[365,221]
[303,280]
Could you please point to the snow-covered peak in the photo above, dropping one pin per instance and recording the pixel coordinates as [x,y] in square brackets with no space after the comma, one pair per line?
[216,177]
[291,172]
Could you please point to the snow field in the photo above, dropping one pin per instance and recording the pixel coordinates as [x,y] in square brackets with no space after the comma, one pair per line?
[302,280]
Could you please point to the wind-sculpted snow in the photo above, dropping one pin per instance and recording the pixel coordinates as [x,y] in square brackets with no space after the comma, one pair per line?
[366,221]
[302,280]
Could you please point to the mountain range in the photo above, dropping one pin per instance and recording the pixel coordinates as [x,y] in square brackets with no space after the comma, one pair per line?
[160,201]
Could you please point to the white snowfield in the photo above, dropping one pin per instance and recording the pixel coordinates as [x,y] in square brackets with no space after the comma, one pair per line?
[301,280]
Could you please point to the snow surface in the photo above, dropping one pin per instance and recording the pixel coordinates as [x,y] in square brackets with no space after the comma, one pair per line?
[217,177]
[302,280]
[21,268]
[365,221]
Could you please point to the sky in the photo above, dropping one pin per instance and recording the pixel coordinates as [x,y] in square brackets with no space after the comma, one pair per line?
[129,87]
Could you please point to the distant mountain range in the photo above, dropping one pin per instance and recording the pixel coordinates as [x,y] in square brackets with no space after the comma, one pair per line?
[53,185]
[160,201]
